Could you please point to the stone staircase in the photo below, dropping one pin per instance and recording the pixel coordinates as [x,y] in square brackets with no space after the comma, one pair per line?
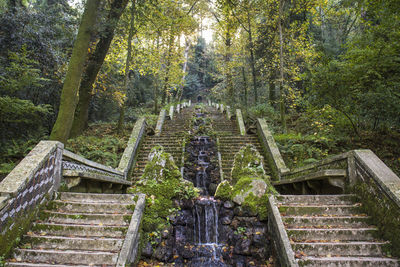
[77,229]
[171,139]
[230,140]
[331,230]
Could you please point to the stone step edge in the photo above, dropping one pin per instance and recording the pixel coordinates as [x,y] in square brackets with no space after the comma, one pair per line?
[95,203]
[84,214]
[77,238]
[356,259]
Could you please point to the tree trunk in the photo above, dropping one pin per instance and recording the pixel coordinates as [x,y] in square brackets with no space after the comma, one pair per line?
[121,119]
[93,67]
[62,126]
[180,93]
[282,88]
[228,74]
[252,60]
[167,67]
[245,87]
[155,92]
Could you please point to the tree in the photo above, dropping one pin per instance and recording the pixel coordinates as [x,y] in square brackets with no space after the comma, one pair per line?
[63,124]
[93,66]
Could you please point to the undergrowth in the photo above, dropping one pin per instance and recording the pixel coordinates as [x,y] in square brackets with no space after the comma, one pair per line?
[101,143]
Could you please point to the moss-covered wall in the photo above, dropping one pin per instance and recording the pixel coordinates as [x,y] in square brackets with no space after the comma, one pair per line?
[385,214]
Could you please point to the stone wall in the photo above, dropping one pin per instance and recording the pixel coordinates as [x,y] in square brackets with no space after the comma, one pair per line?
[28,185]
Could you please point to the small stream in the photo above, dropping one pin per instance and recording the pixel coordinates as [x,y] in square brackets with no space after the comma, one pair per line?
[203,172]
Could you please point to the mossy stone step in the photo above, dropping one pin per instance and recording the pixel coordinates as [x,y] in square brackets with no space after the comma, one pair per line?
[92,207]
[317,199]
[374,249]
[352,209]
[311,261]
[66,256]
[100,198]
[88,218]
[349,234]
[327,222]
[75,243]
[79,230]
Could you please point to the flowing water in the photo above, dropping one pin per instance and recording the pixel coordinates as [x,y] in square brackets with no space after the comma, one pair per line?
[207,250]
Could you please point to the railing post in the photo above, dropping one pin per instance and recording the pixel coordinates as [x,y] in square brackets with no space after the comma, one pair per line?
[240,122]
[160,122]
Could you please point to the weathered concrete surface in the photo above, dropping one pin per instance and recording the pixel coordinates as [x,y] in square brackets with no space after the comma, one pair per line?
[75,157]
[381,173]
[95,176]
[240,122]
[273,154]
[128,251]
[132,147]
[171,112]
[160,122]
[228,113]
[281,239]
[25,170]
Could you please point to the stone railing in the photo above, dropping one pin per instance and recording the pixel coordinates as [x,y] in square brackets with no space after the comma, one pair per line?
[30,184]
[131,150]
[274,157]
[130,246]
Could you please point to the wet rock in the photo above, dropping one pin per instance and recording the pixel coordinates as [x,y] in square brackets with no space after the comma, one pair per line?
[163,253]
[212,188]
[228,204]
[242,247]
[226,220]
[225,234]
[184,217]
[147,250]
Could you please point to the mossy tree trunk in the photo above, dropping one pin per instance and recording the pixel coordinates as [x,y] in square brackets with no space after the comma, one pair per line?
[65,117]
[93,67]
[281,70]
[120,126]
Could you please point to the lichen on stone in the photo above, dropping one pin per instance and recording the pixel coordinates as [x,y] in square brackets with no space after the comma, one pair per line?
[247,162]
[249,187]
[162,183]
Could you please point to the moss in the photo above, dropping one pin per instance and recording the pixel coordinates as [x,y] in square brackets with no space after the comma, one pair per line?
[162,183]
[224,191]
[247,162]
[385,214]
[16,228]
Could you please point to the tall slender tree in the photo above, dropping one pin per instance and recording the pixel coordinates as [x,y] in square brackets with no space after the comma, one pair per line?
[62,127]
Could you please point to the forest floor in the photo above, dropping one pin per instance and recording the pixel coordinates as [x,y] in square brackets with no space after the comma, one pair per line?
[304,144]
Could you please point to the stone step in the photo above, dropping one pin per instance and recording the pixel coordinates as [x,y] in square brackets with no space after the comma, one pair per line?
[100,198]
[316,199]
[30,264]
[348,261]
[91,207]
[325,222]
[341,234]
[88,218]
[319,210]
[65,256]
[75,243]
[374,249]
[82,230]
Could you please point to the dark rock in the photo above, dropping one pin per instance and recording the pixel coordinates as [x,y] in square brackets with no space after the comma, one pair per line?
[242,247]
[226,220]
[163,253]
[147,250]
[228,204]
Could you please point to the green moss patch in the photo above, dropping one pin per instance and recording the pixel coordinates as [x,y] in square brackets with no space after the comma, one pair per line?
[162,183]
[250,187]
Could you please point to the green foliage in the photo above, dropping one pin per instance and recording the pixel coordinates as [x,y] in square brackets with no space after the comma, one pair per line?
[298,150]
[162,183]
[100,143]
